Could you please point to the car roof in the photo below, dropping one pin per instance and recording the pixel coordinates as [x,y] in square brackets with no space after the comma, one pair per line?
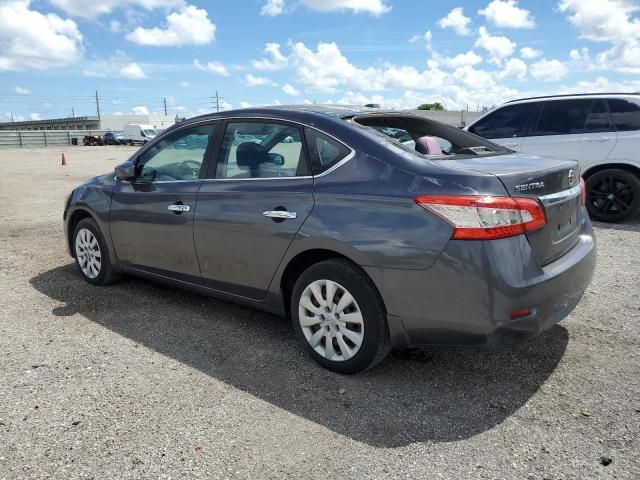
[287,111]
[575,96]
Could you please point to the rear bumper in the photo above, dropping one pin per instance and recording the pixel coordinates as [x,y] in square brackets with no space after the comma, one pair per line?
[467,296]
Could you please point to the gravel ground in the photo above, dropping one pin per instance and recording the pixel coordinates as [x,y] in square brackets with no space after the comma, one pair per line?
[139,380]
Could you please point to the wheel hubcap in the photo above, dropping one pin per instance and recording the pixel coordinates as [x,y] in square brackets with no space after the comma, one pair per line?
[331,320]
[610,196]
[88,253]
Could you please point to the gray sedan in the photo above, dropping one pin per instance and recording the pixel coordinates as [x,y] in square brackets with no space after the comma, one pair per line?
[371,229]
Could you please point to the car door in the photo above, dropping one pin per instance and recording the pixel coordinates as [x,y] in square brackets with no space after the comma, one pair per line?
[576,129]
[252,205]
[505,125]
[151,217]
[625,115]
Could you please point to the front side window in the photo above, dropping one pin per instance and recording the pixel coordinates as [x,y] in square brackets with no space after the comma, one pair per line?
[324,151]
[625,115]
[177,157]
[506,122]
[261,150]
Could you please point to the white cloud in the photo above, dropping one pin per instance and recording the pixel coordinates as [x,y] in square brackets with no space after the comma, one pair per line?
[426,37]
[609,21]
[244,104]
[290,90]
[514,69]
[549,70]
[272,8]
[140,110]
[22,90]
[92,9]
[373,7]
[253,81]
[133,71]
[276,61]
[115,26]
[30,40]
[499,47]
[462,59]
[35,116]
[529,53]
[184,83]
[507,14]
[189,26]
[214,67]
[456,20]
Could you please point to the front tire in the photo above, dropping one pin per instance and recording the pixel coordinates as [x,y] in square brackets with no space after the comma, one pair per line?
[92,254]
[339,317]
[613,195]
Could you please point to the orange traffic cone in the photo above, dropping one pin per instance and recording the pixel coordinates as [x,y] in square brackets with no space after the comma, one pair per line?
[63,161]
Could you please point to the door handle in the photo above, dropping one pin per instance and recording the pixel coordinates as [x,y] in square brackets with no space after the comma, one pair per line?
[179,208]
[280,214]
[599,139]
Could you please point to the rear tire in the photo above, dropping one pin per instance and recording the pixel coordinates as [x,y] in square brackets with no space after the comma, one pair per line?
[92,255]
[333,301]
[613,195]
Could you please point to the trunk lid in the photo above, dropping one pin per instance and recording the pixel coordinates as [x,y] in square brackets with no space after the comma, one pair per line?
[555,183]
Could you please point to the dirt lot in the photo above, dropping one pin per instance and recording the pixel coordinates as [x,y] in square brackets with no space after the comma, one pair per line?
[138,380]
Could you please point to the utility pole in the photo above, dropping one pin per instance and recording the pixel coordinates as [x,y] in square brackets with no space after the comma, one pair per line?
[97,105]
[165,106]
[12,121]
[73,112]
[217,99]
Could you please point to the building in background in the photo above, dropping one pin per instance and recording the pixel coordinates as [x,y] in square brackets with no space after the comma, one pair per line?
[101,123]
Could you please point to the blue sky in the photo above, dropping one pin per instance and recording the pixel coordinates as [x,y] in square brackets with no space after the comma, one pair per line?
[54,54]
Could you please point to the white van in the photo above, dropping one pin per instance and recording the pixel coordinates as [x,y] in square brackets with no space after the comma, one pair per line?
[139,133]
[601,131]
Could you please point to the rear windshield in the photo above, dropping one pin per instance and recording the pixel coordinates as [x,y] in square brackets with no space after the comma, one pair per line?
[422,136]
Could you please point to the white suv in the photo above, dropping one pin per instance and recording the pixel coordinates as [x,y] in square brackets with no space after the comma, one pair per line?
[601,131]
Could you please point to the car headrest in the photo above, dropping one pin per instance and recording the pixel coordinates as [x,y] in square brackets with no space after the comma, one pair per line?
[428,145]
[250,155]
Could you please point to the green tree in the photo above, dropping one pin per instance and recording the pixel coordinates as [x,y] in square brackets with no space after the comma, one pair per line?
[431,106]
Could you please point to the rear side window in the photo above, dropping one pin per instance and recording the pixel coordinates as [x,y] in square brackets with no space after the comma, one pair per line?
[324,151]
[563,117]
[506,122]
[625,115]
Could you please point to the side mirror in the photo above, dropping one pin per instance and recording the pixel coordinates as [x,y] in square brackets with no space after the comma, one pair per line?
[126,171]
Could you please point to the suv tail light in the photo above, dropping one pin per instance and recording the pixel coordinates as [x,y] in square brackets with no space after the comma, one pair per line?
[475,217]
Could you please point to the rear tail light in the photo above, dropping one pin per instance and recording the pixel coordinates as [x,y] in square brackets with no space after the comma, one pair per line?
[583,189]
[476,217]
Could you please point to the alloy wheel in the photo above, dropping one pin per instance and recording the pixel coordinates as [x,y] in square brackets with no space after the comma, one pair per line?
[88,253]
[331,320]
[610,196]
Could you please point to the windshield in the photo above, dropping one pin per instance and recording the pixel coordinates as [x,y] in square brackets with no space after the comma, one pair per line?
[149,132]
[422,136]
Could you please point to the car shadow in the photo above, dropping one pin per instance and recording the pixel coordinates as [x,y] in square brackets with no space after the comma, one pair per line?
[437,396]
[632,225]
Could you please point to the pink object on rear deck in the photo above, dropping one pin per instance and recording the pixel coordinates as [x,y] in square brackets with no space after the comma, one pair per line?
[428,145]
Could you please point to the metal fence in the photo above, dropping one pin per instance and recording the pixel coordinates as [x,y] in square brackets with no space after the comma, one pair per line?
[44,138]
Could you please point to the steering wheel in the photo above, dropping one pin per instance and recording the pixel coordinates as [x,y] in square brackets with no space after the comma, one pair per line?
[195,166]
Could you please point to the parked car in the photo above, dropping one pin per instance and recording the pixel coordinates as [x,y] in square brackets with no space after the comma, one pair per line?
[365,242]
[600,131]
[92,140]
[113,138]
[139,133]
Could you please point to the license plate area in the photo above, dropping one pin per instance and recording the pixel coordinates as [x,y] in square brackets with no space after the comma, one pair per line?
[563,219]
